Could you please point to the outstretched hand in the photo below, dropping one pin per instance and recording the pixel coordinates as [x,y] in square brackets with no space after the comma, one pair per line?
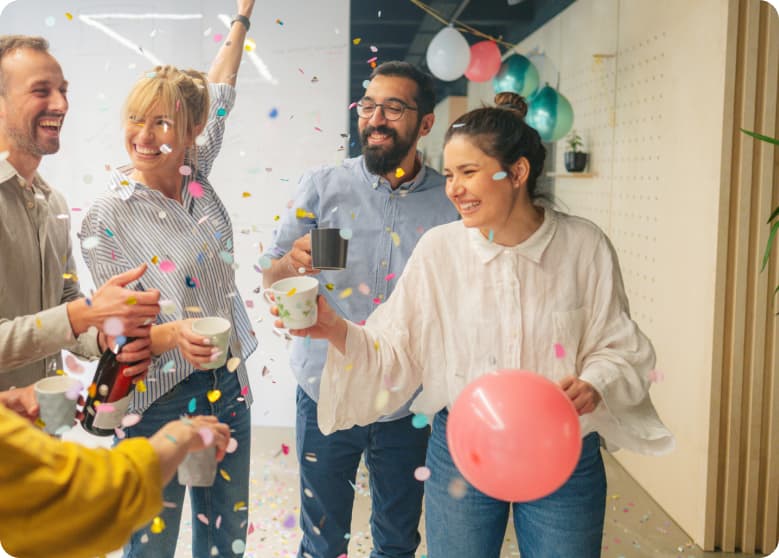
[583,396]
[326,322]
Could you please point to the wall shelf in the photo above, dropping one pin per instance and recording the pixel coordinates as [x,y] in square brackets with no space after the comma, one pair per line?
[572,174]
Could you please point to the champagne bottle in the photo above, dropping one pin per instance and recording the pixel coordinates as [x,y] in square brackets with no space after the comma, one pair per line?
[111,388]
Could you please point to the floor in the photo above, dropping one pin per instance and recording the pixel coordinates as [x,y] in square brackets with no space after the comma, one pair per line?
[635,526]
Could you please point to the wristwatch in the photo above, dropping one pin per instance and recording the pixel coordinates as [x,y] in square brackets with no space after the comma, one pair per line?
[243,19]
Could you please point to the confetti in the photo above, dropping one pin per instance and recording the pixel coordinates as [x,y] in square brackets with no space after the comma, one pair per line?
[249,45]
[167,266]
[382,398]
[491,236]
[217,37]
[656,376]
[206,435]
[364,289]
[131,420]
[203,518]
[192,406]
[214,395]
[279,22]
[389,277]
[458,488]
[113,326]
[419,421]
[265,262]
[422,474]
[329,286]
[346,234]
[289,522]
[499,175]
[221,111]
[356,41]
[285,449]
[246,194]
[73,365]
[157,525]
[195,189]
[232,445]
[233,363]
[395,238]
[238,545]
[90,242]
[399,173]
[165,148]
[190,282]
[140,386]
[347,292]
[226,476]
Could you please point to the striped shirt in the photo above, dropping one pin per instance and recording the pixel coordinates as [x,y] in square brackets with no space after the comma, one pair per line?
[190,242]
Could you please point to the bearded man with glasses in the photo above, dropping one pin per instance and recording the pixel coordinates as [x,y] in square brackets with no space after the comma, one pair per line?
[387,198]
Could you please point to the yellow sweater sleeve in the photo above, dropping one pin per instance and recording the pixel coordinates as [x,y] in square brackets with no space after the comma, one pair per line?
[65,500]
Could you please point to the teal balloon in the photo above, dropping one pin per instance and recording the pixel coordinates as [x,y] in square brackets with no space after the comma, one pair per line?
[550,114]
[517,74]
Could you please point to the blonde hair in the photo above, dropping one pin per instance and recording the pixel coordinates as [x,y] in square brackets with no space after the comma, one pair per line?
[182,95]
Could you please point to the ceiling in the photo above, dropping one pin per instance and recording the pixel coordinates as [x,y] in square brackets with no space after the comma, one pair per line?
[400,30]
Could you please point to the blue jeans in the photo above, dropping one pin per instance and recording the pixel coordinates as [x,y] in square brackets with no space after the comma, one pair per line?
[328,466]
[215,501]
[567,523]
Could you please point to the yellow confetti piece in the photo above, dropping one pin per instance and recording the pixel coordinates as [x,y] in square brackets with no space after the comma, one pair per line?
[125,182]
[224,474]
[194,309]
[60,372]
[132,301]
[356,41]
[246,194]
[69,16]
[382,398]
[140,387]
[157,525]
[348,367]
[395,238]
[276,217]
[346,293]
[329,286]
[214,395]
[301,213]
[399,173]
[292,291]
[92,390]
[67,276]
[376,345]
[155,260]
[232,364]
[38,323]
[239,506]
[249,45]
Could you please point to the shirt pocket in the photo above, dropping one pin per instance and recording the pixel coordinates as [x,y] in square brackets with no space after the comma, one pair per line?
[568,330]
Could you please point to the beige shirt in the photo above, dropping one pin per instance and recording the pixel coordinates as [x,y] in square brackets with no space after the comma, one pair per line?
[554,304]
[37,278]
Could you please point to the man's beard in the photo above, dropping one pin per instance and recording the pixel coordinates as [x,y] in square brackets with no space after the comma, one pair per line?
[382,160]
[25,141]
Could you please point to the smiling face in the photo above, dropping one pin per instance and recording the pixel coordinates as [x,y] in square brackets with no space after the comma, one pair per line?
[33,104]
[387,143]
[153,143]
[485,194]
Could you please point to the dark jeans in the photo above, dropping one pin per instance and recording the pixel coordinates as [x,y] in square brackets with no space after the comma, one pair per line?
[328,467]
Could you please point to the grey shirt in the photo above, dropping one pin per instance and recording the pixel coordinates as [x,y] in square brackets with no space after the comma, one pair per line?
[37,278]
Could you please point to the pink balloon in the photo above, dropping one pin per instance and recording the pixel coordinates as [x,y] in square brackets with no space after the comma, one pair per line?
[514,435]
[485,61]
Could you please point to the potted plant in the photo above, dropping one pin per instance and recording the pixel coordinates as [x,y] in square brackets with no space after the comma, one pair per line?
[575,160]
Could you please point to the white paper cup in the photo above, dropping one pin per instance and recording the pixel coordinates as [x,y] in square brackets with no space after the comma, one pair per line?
[296,299]
[218,331]
[57,410]
[198,468]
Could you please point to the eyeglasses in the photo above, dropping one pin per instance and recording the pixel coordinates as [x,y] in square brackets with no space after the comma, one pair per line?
[393,110]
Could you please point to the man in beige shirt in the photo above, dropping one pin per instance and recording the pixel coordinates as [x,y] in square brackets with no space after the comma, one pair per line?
[42,309]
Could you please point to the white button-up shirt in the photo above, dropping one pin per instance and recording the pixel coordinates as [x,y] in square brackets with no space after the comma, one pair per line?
[554,304]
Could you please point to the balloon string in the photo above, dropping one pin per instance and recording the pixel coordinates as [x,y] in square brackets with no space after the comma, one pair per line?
[463,27]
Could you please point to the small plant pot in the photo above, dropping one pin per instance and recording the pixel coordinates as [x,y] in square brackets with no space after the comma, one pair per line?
[575,161]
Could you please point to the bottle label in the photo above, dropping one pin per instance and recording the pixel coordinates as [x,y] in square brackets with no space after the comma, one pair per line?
[112,418]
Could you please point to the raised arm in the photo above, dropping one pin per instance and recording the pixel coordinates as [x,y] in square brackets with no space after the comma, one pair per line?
[224,69]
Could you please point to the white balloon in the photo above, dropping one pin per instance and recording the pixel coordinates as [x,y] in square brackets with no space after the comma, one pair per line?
[448,54]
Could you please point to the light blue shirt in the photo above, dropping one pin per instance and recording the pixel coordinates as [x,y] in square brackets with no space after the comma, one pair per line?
[385,225]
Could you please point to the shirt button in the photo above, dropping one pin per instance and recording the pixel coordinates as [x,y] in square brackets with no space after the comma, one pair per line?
[30,205]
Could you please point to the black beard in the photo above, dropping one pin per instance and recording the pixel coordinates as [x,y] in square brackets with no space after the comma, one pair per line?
[381,160]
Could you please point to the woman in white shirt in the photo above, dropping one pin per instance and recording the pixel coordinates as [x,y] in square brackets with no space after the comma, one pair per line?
[505,287]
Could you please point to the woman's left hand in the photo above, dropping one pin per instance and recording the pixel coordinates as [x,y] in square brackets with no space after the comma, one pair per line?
[583,396]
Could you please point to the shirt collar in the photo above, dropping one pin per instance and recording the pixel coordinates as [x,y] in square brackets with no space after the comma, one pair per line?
[532,248]
[405,187]
[8,171]
[121,182]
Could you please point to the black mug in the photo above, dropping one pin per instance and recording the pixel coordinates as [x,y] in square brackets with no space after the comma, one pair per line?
[328,249]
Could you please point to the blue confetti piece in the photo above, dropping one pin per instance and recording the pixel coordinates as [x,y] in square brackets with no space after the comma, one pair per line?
[273,112]
[221,111]
[190,282]
[346,234]
[88,301]
[109,233]
[200,257]
[265,262]
[492,235]
[121,340]
[229,244]
[307,342]
[218,235]
[192,405]
[419,421]
[499,175]
[168,367]
[227,257]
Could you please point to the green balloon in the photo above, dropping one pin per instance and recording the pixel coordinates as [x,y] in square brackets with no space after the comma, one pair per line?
[550,114]
[517,74]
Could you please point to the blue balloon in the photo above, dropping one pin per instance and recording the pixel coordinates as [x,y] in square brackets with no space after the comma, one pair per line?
[517,74]
[550,114]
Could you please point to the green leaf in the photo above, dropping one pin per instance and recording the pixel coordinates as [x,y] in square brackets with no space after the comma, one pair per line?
[769,244]
[761,137]
[774,215]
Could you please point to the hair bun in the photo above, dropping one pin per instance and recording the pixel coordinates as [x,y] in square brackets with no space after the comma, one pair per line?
[511,101]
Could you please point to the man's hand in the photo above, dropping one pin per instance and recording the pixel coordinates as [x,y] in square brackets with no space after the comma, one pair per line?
[298,260]
[22,401]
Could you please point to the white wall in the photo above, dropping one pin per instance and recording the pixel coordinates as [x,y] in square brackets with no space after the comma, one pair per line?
[651,113]
[260,155]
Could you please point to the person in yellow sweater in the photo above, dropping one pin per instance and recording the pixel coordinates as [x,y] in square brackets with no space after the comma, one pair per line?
[61,499]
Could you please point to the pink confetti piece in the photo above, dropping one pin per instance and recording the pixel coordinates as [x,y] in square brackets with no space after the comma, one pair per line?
[167,266]
[317,128]
[202,518]
[73,365]
[218,522]
[217,37]
[251,528]
[206,435]
[422,474]
[120,433]
[232,445]
[244,390]
[389,277]
[249,303]
[377,300]
[351,106]
[285,449]
[105,408]
[656,376]
[372,59]
[195,189]
[559,351]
